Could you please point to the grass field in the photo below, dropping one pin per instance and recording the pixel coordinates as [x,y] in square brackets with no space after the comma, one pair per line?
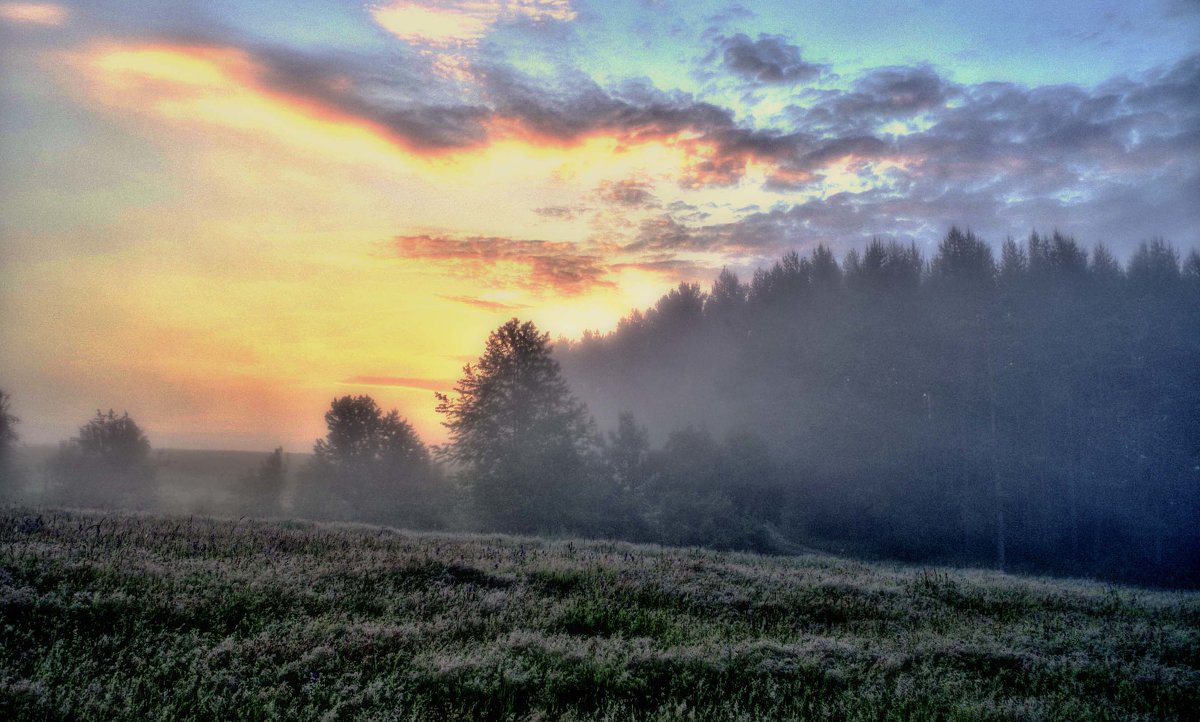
[144,617]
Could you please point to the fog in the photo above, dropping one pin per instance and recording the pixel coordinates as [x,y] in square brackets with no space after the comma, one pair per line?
[186,481]
[1034,409]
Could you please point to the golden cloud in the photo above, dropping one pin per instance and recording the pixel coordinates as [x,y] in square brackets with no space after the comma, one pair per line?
[33,13]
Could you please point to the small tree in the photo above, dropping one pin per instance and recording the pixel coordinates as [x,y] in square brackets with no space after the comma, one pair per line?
[263,486]
[8,438]
[373,462]
[626,462]
[108,463]
[628,455]
[523,444]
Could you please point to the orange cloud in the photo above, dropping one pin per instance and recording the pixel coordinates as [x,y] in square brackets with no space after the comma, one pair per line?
[33,13]
[485,304]
[712,164]
[407,382]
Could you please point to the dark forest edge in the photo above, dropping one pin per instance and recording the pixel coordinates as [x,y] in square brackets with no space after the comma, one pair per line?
[1037,413]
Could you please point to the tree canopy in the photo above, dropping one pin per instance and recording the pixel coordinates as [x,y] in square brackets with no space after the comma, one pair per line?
[520,440]
[109,461]
[370,461]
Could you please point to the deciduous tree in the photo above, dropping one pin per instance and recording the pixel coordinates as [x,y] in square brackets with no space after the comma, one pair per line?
[522,443]
[108,463]
[372,462]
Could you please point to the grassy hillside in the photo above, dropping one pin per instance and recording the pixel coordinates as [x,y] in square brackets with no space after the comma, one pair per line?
[139,617]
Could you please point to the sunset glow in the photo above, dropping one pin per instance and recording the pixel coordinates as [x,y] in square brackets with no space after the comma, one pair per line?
[219,218]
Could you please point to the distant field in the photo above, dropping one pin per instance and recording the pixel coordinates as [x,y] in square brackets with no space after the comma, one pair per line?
[198,481]
[143,617]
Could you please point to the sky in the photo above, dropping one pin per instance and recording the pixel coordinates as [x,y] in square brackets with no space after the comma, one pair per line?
[220,215]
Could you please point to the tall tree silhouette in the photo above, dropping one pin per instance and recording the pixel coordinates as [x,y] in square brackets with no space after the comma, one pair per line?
[521,441]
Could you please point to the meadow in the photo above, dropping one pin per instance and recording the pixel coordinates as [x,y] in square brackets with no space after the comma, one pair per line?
[126,616]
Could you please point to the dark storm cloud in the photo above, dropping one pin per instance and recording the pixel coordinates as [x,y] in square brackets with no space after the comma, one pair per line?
[770,60]
[864,146]
[1109,163]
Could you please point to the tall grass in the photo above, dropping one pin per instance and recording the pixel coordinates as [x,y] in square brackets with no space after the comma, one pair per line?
[122,616]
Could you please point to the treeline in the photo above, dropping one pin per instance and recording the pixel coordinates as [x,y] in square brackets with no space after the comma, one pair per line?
[1035,412]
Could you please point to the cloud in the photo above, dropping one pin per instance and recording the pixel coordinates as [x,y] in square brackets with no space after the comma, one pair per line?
[562,213]
[758,233]
[768,60]
[401,381]
[627,193]
[729,15]
[46,14]
[890,92]
[674,268]
[462,23]
[485,304]
[282,93]
[573,107]
[542,265]
[901,147]
[405,105]
[858,147]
